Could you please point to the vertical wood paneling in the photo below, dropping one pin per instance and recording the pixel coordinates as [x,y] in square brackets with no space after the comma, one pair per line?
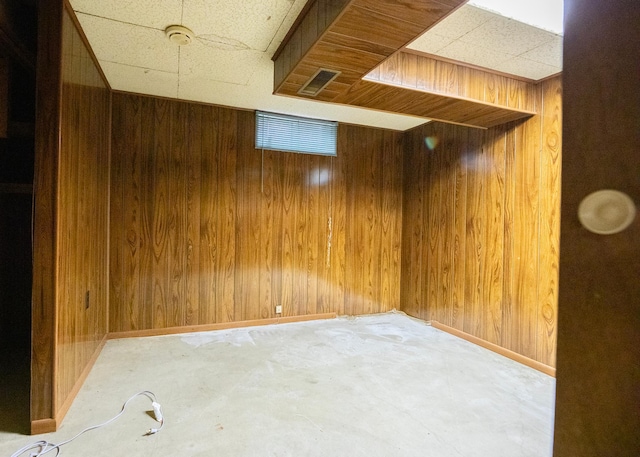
[412,224]
[193,154]
[132,217]
[550,164]
[179,215]
[431,218]
[315,234]
[300,234]
[356,202]
[457,136]
[509,310]
[82,228]
[267,237]
[446,223]
[476,220]
[527,234]
[47,150]
[226,204]
[209,230]
[494,236]
[480,228]
[338,230]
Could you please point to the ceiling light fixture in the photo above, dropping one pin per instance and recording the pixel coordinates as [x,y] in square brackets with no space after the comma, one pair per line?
[544,14]
[179,35]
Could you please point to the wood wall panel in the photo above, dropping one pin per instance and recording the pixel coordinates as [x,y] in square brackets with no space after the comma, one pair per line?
[206,229]
[71,224]
[47,150]
[480,228]
[82,215]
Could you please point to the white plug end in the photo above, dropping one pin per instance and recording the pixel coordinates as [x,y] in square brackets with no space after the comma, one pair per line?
[157,411]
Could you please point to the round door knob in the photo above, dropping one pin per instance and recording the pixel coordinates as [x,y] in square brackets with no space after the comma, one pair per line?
[606,211]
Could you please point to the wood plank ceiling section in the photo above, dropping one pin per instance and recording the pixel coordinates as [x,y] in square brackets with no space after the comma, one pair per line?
[354,37]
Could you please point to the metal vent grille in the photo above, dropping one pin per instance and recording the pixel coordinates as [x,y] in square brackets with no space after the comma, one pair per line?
[318,81]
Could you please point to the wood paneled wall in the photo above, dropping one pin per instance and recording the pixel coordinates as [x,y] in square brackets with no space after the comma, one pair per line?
[83,211]
[481,228]
[47,150]
[598,385]
[206,229]
[71,217]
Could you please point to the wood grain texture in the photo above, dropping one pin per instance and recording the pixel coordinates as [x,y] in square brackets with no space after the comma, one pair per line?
[47,150]
[361,39]
[353,38]
[71,216]
[433,105]
[474,255]
[412,70]
[314,234]
[597,394]
[83,216]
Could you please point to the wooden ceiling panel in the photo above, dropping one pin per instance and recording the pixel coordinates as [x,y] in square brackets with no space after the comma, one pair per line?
[388,31]
[336,39]
[362,39]
[342,58]
[445,108]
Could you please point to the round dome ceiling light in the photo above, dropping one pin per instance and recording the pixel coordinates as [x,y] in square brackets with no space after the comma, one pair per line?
[179,35]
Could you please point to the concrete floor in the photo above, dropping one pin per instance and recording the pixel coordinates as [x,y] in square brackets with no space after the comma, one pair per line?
[382,385]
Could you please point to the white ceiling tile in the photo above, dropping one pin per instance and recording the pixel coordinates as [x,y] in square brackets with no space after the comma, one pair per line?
[507,36]
[259,95]
[475,55]
[251,24]
[150,13]
[235,67]
[461,22]
[527,68]
[129,44]
[549,53]
[141,80]
[430,43]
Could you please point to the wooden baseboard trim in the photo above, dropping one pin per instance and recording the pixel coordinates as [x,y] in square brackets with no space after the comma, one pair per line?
[219,326]
[546,369]
[43,426]
[64,408]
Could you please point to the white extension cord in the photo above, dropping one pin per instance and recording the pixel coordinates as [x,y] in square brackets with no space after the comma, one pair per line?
[43,447]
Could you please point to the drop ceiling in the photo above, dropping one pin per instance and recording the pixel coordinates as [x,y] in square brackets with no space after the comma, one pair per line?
[229,62]
[486,39]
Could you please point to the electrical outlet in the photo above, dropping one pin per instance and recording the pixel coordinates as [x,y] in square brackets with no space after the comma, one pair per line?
[86,300]
[278,309]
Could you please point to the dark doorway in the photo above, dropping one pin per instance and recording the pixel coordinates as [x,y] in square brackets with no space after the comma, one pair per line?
[18,24]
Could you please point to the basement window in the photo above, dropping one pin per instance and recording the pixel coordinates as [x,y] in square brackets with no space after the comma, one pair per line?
[281,132]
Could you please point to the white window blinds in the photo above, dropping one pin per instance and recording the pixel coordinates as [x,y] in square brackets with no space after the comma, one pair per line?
[280,132]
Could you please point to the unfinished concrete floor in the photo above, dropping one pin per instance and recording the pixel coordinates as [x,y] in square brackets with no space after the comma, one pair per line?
[382,385]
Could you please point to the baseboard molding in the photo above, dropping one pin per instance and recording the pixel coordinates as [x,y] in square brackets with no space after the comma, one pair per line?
[43,426]
[64,408]
[546,369]
[219,326]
